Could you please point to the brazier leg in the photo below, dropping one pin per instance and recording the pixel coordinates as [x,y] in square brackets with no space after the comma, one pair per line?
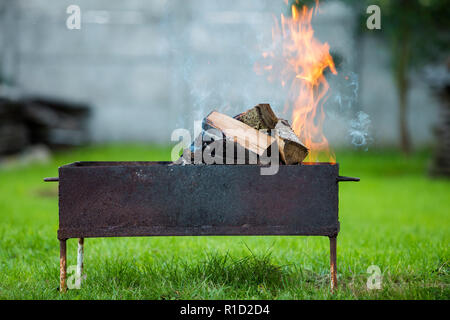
[333,271]
[62,266]
[80,258]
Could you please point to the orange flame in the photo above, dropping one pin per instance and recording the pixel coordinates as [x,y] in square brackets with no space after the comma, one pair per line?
[303,62]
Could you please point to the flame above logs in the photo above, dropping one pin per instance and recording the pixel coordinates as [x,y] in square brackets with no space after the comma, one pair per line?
[298,60]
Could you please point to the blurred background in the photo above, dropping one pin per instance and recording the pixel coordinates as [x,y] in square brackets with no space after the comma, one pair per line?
[116,88]
[136,70]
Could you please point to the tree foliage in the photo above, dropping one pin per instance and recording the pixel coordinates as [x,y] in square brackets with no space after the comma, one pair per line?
[417,33]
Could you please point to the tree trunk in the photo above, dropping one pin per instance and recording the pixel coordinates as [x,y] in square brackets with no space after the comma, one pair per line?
[440,165]
[403,88]
[401,64]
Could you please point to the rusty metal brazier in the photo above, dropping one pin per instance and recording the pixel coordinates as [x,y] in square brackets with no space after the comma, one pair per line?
[127,199]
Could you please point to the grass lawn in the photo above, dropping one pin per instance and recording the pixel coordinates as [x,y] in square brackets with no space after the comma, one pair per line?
[396,218]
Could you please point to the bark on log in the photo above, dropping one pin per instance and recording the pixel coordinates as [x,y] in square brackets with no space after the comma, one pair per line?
[259,117]
[215,148]
[292,151]
[239,132]
[244,139]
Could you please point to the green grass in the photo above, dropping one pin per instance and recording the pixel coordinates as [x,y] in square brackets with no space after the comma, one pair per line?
[396,218]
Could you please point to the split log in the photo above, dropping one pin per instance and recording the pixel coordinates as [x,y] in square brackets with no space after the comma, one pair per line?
[292,151]
[243,139]
[259,117]
[226,151]
[214,148]
[239,132]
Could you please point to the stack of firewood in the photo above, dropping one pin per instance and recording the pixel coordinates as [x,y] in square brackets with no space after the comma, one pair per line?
[41,121]
[14,133]
[244,139]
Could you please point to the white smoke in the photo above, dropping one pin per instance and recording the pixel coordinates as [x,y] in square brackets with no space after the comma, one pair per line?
[345,90]
[359,130]
[215,51]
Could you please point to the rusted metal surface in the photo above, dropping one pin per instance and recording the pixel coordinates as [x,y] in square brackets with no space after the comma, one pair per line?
[112,199]
[333,268]
[80,258]
[62,266]
[123,199]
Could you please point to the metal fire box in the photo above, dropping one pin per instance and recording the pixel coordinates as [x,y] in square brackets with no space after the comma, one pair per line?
[126,199]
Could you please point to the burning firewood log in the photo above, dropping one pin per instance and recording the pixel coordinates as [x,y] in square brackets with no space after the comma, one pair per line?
[259,117]
[193,154]
[239,132]
[244,139]
[228,141]
[292,151]
[227,151]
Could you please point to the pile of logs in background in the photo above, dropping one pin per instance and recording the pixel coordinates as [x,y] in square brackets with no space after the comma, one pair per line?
[33,121]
